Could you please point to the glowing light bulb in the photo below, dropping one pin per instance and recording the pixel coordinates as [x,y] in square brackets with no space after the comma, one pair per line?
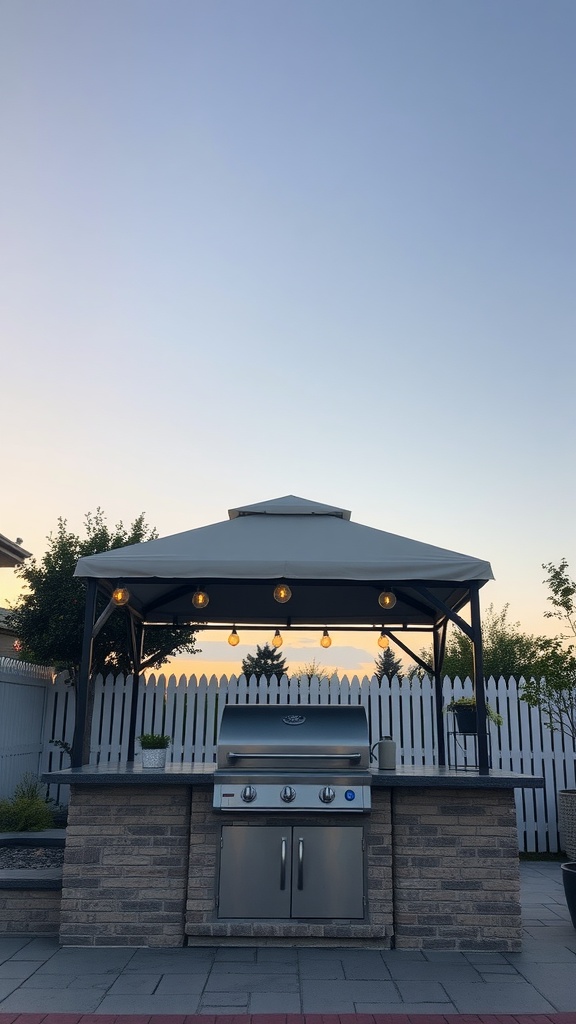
[120,596]
[387,599]
[282,593]
[325,641]
[200,599]
[233,639]
[383,641]
[277,640]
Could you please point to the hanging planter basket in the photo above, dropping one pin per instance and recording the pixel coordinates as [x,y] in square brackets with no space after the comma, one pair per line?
[466,719]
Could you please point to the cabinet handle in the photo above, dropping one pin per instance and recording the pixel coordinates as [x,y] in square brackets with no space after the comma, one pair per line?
[300,863]
[283,863]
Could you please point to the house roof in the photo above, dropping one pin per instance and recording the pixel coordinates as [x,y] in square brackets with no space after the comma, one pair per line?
[11,553]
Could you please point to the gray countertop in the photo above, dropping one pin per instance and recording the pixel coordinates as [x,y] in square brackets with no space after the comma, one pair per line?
[190,774]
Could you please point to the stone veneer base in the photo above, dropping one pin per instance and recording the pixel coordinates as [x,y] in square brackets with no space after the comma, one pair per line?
[201,912]
[141,868]
[30,911]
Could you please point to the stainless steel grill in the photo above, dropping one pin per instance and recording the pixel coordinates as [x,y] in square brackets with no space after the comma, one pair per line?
[293,758]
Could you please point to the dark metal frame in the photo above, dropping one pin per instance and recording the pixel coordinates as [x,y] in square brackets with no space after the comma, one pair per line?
[439,613]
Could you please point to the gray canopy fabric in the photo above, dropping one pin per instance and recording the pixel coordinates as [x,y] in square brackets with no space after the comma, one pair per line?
[337,569]
[286,538]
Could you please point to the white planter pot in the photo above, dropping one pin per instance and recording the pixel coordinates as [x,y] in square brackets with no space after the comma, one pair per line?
[154,758]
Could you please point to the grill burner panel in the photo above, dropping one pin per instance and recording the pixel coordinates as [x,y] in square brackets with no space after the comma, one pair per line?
[293,759]
[325,794]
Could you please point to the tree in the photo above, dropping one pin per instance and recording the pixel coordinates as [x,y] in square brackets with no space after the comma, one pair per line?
[49,619]
[314,668]
[553,689]
[266,662]
[507,651]
[387,664]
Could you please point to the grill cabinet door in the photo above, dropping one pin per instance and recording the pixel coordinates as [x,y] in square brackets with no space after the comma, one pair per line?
[255,870]
[327,872]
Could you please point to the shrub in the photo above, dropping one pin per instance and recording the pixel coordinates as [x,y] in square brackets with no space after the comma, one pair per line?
[27,810]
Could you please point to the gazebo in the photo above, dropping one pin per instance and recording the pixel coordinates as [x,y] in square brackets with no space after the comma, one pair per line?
[290,564]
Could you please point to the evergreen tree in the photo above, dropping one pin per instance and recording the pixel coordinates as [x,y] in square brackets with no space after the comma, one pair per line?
[266,662]
[49,619]
[387,664]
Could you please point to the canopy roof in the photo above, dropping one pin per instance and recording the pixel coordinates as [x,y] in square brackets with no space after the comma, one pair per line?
[338,568]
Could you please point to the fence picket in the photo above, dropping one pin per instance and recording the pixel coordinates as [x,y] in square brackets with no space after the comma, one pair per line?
[190,709]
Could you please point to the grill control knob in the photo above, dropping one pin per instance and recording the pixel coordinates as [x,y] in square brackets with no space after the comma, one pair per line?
[327,794]
[288,794]
[248,794]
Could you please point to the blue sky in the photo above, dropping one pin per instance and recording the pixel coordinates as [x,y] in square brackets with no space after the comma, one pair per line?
[315,247]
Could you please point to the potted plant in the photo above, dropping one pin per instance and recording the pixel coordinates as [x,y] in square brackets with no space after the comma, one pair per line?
[154,746]
[464,710]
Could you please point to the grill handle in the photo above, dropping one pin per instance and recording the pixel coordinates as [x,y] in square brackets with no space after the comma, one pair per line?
[283,863]
[300,882]
[234,755]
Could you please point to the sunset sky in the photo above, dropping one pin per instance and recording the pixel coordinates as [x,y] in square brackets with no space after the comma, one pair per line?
[261,247]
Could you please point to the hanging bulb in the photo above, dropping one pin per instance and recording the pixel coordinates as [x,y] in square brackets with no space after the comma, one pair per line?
[233,639]
[325,641]
[277,640]
[120,596]
[200,599]
[387,599]
[383,641]
[282,593]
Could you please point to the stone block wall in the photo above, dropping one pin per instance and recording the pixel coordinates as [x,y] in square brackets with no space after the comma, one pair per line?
[202,922]
[141,868]
[29,911]
[125,866]
[456,871]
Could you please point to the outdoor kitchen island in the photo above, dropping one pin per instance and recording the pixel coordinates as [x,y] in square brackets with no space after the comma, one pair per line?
[297,841]
[438,863]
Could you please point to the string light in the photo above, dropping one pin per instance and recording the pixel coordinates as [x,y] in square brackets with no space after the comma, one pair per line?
[277,640]
[383,641]
[387,599]
[233,639]
[282,593]
[120,596]
[325,641]
[200,599]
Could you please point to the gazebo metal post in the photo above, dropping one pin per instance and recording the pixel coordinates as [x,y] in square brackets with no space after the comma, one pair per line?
[84,674]
[439,647]
[479,691]
[136,639]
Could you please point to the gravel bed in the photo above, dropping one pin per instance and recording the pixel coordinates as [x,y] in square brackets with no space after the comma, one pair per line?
[23,857]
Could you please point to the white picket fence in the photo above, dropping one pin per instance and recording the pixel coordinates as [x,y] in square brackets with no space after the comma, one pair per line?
[23,701]
[189,709]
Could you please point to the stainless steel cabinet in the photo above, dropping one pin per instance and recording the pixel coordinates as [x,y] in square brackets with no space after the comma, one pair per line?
[298,872]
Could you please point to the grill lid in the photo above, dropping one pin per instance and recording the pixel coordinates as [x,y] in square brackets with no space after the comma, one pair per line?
[280,737]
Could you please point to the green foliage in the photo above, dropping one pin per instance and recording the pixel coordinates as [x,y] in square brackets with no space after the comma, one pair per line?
[469,703]
[63,745]
[49,619]
[27,810]
[314,668]
[507,651]
[562,595]
[154,741]
[387,664]
[30,788]
[266,662]
[553,689]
